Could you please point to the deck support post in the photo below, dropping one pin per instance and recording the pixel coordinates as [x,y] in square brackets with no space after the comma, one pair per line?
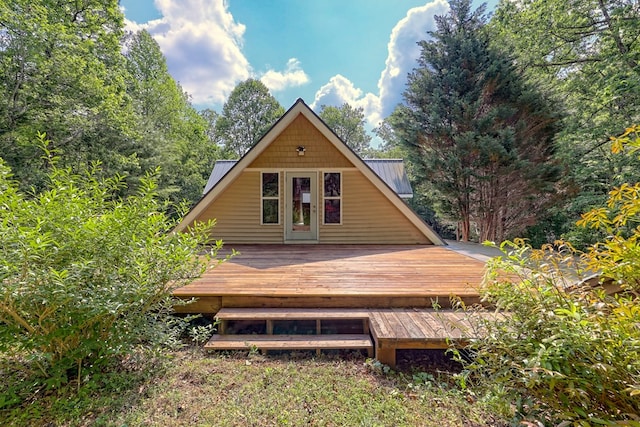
[222,327]
[386,356]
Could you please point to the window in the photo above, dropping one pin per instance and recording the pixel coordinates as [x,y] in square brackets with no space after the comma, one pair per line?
[332,192]
[270,198]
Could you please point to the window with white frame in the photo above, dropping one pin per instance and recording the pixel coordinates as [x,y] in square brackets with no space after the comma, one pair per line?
[270,187]
[332,196]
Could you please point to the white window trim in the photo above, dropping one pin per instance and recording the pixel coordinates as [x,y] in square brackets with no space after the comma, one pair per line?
[263,198]
[324,219]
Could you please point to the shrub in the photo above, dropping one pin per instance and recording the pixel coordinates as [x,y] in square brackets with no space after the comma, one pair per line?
[84,275]
[567,350]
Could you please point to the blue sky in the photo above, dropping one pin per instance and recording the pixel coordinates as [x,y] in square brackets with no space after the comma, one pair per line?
[326,51]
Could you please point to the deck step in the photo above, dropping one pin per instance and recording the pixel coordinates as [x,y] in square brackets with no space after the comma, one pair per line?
[271,315]
[291,342]
[291,314]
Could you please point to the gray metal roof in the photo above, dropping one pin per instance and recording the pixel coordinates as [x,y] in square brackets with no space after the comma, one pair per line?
[391,171]
[220,169]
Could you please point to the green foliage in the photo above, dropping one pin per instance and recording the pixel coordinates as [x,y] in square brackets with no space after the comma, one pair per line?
[66,70]
[61,72]
[348,123]
[171,133]
[617,256]
[477,136]
[570,348]
[585,53]
[85,275]
[246,116]
[565,353]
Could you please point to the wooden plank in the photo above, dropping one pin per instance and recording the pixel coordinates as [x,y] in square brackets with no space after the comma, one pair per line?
[426,330]
[380,327]
[413,330]
[291,314]
[386,356]
[412,272]
[312,301]
[290,342]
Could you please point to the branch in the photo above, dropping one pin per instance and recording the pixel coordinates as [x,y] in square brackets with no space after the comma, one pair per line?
[599,144]
[567,62]
[19,320]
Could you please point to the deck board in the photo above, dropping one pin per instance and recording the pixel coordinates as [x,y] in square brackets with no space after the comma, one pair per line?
[340,271]
[291,314]
[290,342]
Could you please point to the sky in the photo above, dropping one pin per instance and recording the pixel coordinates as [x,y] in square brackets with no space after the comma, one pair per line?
[327,52]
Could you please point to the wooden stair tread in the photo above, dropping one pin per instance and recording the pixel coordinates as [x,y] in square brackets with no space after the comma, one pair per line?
[289,342]
[290,314]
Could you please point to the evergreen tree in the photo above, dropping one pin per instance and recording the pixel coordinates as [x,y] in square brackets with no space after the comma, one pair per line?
[478,138]
[247,115]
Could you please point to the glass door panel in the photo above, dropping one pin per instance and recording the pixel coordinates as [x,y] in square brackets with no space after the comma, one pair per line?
[301,207]
[301,204]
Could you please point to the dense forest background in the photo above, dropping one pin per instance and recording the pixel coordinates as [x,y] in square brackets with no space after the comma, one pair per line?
[505,125]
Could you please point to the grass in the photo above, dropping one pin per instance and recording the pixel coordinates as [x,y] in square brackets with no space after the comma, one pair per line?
[190,387]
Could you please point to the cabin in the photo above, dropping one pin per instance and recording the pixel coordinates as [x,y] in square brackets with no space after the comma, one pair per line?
[330,254]
[301,184]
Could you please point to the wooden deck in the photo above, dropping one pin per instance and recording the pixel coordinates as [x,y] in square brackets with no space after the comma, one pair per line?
[389,329]
[394,329]
[338,276]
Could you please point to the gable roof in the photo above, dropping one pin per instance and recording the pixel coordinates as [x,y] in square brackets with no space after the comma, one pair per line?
[301,108]
[391,171]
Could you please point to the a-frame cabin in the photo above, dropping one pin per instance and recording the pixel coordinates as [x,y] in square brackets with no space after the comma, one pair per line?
[301,184]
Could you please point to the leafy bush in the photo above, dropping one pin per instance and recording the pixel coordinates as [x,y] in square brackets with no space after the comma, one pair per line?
[569,349]
[86,276]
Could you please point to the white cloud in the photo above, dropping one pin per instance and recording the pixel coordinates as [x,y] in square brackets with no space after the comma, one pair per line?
[404,51]
[203,46]
[340,90]
[292,76]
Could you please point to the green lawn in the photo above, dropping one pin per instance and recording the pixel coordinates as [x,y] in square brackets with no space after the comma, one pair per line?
[193,388]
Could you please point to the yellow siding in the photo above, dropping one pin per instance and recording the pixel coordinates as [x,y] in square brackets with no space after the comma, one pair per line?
[368,217]
[237,213]
[320,153]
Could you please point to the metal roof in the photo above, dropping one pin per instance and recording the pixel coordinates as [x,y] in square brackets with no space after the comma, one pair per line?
[391,171]
[220,169]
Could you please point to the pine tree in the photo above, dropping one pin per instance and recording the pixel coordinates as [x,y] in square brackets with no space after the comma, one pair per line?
[477,137]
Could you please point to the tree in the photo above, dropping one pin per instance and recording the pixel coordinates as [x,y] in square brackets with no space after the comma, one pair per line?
[211,117]
[348,123]
[586,54]
[61,72]
[567,342]
[478,138]
[171,133]
[247,115]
